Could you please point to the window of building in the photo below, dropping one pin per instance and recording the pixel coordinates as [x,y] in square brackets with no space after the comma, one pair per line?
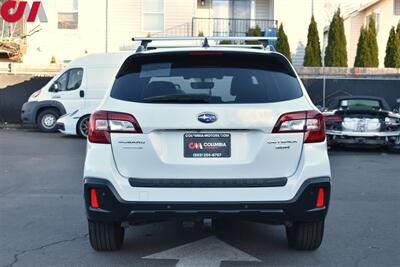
[153,15]
[67,14]
[396,7]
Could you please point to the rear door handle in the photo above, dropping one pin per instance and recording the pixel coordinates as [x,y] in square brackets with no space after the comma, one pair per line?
[82,93]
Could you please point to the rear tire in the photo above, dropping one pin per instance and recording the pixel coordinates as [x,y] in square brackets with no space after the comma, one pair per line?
[305,235]
[83,126]
[106,236]
[47,120]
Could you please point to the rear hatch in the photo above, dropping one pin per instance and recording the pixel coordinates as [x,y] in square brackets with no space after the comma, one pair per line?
[206,115]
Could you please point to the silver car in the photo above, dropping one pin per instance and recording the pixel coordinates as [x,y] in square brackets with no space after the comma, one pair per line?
[362,120]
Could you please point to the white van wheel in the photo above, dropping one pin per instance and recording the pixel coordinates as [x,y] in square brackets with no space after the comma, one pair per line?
[47,120]
[83,126]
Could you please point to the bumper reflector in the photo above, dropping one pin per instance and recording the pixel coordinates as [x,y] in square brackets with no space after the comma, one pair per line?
[94,203]
[320,198]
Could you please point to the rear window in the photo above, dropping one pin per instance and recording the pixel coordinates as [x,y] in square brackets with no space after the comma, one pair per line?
[360,103]
[206,77]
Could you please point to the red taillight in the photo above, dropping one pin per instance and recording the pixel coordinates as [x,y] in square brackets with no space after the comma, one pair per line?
[320,198]
[94,202]
[334,118]
[102,123]
[311,123]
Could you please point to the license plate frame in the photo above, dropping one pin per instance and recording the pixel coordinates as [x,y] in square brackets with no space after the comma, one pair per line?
[207,145]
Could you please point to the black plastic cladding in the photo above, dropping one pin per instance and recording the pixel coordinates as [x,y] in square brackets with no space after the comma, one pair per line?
[300,208]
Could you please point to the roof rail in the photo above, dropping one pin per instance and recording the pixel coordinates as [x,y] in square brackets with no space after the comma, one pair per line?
[265,41]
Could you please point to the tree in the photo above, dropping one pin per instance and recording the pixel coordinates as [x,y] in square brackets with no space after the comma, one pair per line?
[312,57]
[397,47]
[362,48]
[391,49]
[256,31]
[336,53]
[282,43]
[367,47]
[372,44]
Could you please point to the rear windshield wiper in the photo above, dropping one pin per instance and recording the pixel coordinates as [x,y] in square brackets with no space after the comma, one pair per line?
[179,98]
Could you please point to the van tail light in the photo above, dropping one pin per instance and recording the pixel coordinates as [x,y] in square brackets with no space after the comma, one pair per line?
[102,123]
[311,123]
[334,118]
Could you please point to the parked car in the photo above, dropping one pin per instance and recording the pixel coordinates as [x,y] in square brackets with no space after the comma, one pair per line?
[80,86]
[77,122]
[362,120]
[206,132]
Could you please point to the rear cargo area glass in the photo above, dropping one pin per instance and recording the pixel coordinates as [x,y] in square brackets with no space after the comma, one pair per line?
[206,77]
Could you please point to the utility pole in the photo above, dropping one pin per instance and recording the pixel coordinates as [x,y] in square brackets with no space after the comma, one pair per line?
[323,70]
[106,26]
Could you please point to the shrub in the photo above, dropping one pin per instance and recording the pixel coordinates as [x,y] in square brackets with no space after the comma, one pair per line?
[336,53]
[282,43]
[362,49]
[312,57]
[256,31]
[391,49]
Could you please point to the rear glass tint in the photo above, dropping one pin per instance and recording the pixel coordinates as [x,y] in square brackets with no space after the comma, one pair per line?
[206,77]
[360,103]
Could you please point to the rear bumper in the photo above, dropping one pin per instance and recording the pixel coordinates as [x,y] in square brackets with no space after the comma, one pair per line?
[61,127]
[66,124]
[363,134]
[300,208]
[355,138]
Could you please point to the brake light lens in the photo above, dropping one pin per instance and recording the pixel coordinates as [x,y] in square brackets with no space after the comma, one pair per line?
[94,202]
[311,123]
[334,118]
[320,198]
[102,123]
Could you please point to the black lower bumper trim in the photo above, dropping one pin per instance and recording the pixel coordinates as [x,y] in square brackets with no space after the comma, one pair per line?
[60,126]
[207,183]
[300,208]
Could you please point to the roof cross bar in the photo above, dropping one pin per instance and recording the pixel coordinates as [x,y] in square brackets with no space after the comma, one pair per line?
[265,41]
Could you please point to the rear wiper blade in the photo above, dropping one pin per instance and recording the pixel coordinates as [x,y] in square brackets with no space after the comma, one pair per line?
[181,98]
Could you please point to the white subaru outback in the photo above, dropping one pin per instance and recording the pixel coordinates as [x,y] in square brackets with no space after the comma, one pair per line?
[207,133]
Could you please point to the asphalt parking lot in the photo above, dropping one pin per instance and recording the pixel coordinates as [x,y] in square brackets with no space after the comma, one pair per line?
[42,217]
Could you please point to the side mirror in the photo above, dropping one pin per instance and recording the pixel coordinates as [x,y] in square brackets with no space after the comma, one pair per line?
[55,87]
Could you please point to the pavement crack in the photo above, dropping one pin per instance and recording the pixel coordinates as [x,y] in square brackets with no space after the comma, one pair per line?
[19,254]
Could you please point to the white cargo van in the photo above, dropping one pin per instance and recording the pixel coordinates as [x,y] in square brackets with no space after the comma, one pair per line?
[77,90]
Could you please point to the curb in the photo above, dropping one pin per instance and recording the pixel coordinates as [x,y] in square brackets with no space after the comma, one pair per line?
[5,126]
